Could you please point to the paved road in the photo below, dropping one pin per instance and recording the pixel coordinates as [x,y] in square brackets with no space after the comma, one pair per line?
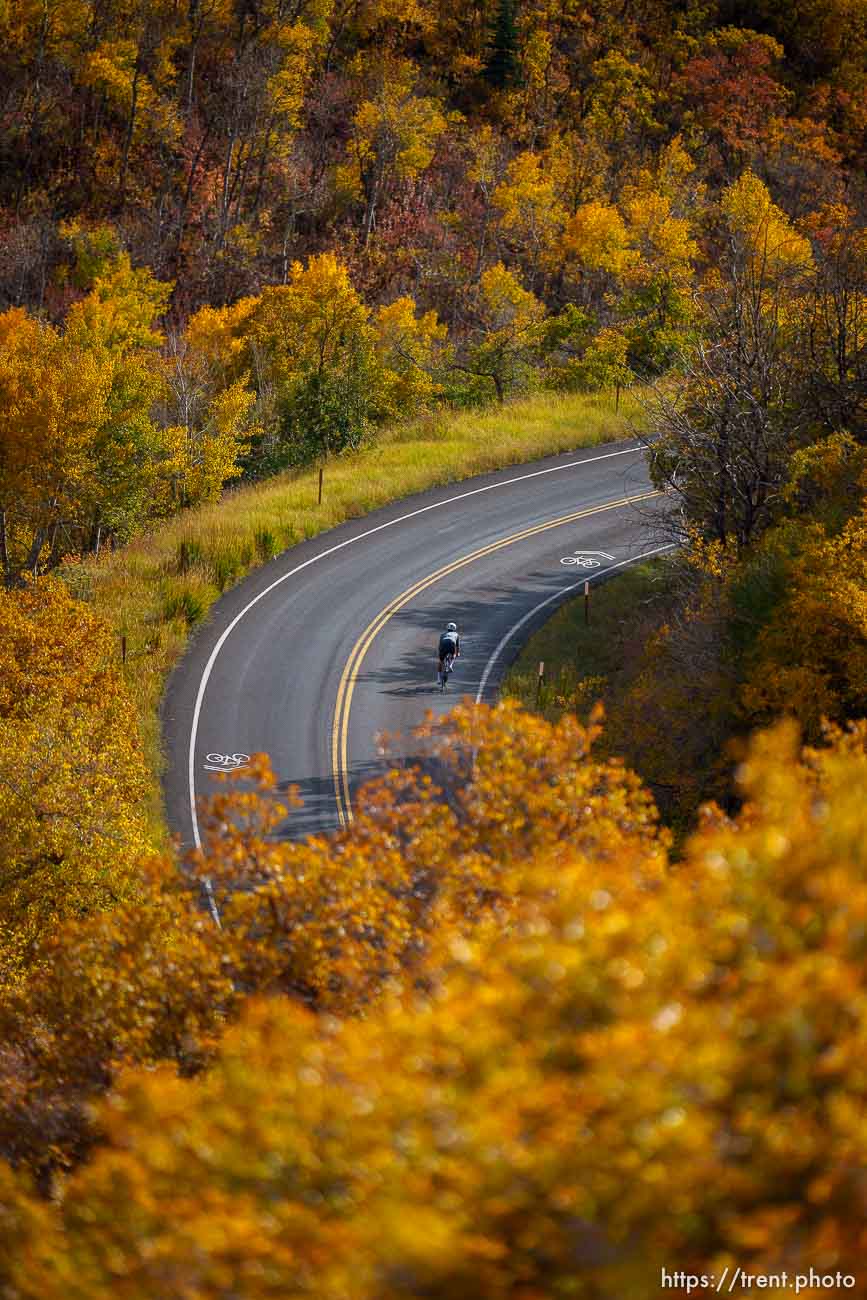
[334,641]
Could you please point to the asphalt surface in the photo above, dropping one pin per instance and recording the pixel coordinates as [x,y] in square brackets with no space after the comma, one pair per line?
[334,641]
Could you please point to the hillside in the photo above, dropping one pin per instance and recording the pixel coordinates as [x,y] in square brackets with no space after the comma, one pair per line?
[590,1008]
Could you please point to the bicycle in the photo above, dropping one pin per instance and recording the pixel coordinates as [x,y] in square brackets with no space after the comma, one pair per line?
[447,667]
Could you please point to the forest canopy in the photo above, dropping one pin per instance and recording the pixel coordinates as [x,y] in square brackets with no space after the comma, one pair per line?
[259,231]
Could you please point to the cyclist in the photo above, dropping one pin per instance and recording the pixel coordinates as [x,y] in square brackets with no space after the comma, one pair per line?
[449,648]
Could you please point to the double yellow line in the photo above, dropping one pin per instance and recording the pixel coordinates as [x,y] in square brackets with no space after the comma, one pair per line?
[340,726]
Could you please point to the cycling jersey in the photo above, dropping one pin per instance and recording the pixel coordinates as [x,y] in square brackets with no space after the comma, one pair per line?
[450,644]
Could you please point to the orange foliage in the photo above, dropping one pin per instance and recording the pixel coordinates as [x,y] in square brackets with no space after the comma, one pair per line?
[638,1067]
[72,776]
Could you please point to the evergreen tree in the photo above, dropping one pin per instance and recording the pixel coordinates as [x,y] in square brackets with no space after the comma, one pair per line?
[502,67]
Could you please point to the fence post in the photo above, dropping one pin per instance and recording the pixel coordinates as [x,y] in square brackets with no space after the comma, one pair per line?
[321,473]
[586,602]
[123,649]
[540,682]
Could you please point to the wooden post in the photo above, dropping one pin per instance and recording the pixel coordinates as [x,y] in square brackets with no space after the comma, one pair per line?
[321,473]
[123,649]
[540,682]
[185,557]
[586,602]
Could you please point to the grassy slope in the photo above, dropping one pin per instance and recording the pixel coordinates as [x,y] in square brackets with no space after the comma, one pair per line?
[161,585]
[585,662]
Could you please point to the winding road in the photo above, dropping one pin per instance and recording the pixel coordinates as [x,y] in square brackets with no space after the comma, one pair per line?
[334,641]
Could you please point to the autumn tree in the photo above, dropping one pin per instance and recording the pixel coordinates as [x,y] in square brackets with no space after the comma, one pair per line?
[668,1058]
[72,775]
[809,657]
[657,304]
[310,344]
[81,452]
[727,432]
[394,134]
[140,982]
[115,322]
[505,330]
[209,424]
[730,90]
[596,250]
[530,216]
[53,404]
[413,351]
[620,108]
[334,920]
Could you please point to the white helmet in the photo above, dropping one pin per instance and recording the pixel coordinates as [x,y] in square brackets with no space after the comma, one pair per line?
[451,627]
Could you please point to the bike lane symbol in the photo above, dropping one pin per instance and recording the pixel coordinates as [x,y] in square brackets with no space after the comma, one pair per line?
[225,762]
[581,561]
[584,559]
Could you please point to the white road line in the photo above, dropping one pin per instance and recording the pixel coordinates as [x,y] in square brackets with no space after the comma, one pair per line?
[460,496]
[556,596]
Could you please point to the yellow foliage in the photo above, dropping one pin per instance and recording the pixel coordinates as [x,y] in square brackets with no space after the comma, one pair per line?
[113,69]
[211,449]
[672,175]
[119,311]
[810,659]
[409,348]
[597,239]
[528,204]
[485,151]
[54,402]
[334,921]
[395,130]
[507,304]
[604,363]
[509,321]
[578,165]
[110,68]
[217,335]
[81,452]
[663,242]
[308,321]
[634,1066]
[72,776]
[771,243]
[297,43]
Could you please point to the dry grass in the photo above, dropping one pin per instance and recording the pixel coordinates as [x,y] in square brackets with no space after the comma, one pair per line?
[163,584]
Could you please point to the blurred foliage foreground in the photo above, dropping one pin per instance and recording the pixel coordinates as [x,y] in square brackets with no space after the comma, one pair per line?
[488,1041]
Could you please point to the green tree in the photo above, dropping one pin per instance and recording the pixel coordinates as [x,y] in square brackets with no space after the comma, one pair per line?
[502,64]
[328,411]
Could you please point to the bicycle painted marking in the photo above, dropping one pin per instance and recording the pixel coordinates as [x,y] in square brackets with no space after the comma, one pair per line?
[585,559]
[225,762]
